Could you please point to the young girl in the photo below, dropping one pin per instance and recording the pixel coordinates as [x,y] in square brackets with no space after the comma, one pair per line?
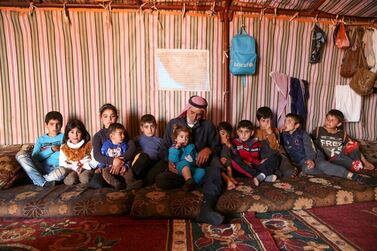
[225,132]
[109,115]
[337,146]
[75,153]
[183,155]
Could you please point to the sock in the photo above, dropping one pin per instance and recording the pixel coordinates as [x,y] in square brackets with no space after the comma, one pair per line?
[271,178]
[356,166]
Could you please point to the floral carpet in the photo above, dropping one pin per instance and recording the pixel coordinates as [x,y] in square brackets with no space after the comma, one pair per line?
[346,227]
[124,233]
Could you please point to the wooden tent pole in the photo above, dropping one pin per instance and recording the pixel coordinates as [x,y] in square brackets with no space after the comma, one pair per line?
[226,17]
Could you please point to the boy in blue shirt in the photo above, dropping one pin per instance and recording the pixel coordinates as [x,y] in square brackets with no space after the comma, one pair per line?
[151,146]
[42,166]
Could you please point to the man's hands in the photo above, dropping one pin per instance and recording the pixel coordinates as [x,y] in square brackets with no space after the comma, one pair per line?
[172,168]
[203,156]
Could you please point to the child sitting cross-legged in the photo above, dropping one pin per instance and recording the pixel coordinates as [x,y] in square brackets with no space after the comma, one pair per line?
[302,152]
[183,156]
[116,147]
[252,152]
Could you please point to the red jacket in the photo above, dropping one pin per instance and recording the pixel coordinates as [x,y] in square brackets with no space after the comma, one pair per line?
[249,151]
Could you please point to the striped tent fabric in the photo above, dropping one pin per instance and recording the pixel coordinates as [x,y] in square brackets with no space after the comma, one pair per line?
[362,8]
[47,64]
[282,4]
[284,47]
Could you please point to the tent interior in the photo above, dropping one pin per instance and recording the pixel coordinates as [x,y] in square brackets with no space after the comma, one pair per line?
[151,56]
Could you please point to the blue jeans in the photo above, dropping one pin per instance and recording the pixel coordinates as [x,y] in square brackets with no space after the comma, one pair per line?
[34,169]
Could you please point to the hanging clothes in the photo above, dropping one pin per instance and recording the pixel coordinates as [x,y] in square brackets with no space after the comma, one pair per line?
[281,82]
[299,93]
[318,41]
[374,39]
[348,102]
[368,49]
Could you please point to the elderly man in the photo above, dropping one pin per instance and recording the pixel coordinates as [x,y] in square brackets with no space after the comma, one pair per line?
[206,141]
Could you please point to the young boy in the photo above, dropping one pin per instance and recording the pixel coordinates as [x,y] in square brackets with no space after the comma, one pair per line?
[151,147]
[116,146]
[302,152]
[253,154]
[338,148]
[45,156]
[225,132]
[266,132]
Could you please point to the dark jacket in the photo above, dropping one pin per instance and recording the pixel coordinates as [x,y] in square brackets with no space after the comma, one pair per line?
[299,146]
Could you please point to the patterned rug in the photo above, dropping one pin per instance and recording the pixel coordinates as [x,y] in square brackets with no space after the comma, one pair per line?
[125,233]
[347,227]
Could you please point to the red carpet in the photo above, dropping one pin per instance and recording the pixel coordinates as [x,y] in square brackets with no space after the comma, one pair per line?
[125,233]
[357,222]
[346,227]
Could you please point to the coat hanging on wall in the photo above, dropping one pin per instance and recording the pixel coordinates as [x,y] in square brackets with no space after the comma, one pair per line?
[318,41]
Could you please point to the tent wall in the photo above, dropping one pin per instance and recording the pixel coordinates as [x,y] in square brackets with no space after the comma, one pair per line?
[285,47]
[46,64]
[49,65]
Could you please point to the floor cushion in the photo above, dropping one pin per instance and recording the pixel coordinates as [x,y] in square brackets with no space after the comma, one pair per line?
[10,172]
[62,200]
[151,202]
[295,193]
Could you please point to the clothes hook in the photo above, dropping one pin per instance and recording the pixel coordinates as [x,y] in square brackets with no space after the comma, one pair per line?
[293,17]
[184,10]
[261,13]
[31,8]
[67,20]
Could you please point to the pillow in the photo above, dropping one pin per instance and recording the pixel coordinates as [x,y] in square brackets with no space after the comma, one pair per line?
[9,171]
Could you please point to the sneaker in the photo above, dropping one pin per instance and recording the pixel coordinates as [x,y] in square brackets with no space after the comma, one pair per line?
[112,180]
[370,181]
[271,178]
[131,182]
[356,166]
[49,184]
[189,185]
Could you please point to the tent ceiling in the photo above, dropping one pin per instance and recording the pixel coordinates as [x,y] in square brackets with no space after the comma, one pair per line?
[349,8]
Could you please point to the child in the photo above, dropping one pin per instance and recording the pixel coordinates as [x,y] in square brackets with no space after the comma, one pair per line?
[252,153]
[151,147]
[45,156]
[116,147]
[272,137]
[75,153]
[183,155]
[337,146]
[108,115]
[225,132]
[301,150]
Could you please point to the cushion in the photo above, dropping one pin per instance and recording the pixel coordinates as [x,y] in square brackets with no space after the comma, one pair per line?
[10,171]
[295,193]
[61,200]
[151,202]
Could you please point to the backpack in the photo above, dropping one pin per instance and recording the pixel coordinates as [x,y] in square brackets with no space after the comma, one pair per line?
[243,56]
